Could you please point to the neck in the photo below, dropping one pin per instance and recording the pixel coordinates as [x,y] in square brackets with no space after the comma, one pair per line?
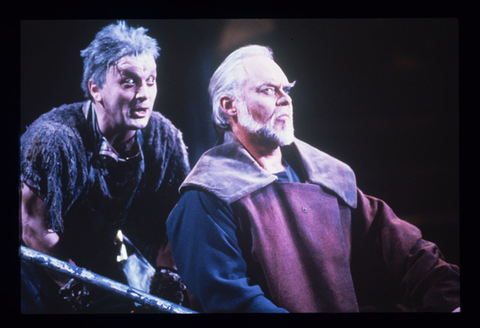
[267,154]
[121,140]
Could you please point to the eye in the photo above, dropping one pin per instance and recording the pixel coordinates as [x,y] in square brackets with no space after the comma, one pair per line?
[129,81]
[268,90]
[287,90]
[151,80]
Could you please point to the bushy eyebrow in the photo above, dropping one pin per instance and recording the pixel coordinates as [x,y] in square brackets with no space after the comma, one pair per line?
[287,86]
[290,85]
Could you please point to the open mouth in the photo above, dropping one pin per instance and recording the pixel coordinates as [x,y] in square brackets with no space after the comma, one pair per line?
[139,112]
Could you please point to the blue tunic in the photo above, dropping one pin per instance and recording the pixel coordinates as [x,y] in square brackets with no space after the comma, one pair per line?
[203,216]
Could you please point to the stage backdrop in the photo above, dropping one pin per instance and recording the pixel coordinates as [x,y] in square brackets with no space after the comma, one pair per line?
[378,94]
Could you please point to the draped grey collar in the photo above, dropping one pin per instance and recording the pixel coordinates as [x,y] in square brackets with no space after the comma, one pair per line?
[229,172]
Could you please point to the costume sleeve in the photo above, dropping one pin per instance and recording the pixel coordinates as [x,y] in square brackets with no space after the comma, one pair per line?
[397,253]
[201,231]
[52,160]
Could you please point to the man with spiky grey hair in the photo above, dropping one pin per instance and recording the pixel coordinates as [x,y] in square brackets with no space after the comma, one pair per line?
[98,180]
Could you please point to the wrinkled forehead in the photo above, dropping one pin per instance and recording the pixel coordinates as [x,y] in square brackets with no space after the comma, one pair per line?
[143,64]
[261,69]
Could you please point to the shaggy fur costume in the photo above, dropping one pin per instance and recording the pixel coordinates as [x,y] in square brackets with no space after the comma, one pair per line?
[57,152]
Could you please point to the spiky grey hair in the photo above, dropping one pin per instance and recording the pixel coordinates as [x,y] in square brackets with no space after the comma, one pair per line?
[110,44]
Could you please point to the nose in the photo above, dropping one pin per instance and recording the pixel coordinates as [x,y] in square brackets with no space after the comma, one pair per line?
[142,93]
[284,98]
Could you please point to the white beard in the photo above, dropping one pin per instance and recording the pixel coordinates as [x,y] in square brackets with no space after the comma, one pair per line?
[279,136]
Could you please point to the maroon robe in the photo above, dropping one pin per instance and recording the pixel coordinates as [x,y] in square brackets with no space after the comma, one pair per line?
[322,245]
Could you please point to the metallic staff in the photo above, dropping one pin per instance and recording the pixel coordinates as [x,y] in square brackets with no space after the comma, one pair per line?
[112,286]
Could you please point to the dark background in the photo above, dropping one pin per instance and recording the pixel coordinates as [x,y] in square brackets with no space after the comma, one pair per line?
[381,95]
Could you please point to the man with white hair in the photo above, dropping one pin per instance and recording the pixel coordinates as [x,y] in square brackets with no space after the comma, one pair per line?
[268,223]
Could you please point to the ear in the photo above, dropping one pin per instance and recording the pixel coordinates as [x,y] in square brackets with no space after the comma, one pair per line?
[94,90]
[227,105]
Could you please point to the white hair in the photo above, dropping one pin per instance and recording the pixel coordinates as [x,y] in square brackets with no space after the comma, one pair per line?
[229,77]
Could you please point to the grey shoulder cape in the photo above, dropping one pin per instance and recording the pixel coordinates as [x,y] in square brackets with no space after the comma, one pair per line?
[229,172]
